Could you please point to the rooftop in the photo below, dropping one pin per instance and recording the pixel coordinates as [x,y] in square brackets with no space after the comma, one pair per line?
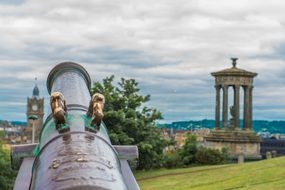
[234,71]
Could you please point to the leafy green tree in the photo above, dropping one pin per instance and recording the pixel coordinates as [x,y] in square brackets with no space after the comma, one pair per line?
[7,175]
[189,150]
[129,122]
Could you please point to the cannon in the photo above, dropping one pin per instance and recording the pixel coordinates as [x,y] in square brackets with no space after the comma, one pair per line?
[74,149]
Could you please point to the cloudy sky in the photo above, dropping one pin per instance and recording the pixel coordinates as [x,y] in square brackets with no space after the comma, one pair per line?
[169,47]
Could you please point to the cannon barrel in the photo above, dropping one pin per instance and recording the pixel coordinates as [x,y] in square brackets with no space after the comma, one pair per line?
[78,158]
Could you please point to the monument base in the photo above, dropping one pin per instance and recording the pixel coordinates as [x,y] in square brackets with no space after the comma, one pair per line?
[238,142]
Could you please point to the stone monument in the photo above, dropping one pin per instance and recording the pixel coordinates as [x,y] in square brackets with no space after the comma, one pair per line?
[240,140]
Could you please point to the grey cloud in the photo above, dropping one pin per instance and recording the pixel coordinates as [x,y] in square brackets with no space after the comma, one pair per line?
[278,52]
[170,47]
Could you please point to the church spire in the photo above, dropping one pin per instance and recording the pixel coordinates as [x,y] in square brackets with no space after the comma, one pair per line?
[36,91]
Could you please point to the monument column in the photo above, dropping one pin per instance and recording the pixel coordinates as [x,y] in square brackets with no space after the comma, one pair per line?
[225,106]
[246,111]
[217,122]
[250,88]
[236,106]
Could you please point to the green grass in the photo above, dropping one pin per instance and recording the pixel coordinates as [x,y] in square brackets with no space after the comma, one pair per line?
[267,174]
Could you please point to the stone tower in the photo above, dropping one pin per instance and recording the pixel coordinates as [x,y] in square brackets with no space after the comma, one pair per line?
[240,139]
[35,107]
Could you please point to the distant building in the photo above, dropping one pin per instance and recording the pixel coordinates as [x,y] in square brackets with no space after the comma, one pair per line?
[165,132]
[282,137]
[10,134]
[180,137]
[35,106]
[201,134]
[272,146]
[264,134]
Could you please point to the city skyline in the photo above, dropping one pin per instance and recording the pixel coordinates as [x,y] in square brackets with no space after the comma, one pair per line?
[170,48]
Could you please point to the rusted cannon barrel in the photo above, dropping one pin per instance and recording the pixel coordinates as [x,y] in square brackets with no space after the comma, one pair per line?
[78,158]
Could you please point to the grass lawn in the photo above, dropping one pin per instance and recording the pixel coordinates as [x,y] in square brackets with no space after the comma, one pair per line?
[267,174]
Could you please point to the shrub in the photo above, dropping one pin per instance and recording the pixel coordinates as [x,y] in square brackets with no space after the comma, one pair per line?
[172,160]
[188,151]
[211,156]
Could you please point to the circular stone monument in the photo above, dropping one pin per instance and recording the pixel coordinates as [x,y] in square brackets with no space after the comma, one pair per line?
[229,134]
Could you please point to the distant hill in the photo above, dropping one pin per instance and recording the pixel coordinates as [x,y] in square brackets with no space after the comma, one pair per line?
[18,123]
[258,125]
[13,123]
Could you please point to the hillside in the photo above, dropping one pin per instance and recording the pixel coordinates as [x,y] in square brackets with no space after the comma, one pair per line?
[266,174]
[258,125]
[12,123]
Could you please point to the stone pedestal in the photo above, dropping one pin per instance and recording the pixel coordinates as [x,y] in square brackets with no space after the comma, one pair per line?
[245,143]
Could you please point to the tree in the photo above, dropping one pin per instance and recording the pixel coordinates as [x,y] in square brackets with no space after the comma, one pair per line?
[7,175]
[129,122]
[189,150]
